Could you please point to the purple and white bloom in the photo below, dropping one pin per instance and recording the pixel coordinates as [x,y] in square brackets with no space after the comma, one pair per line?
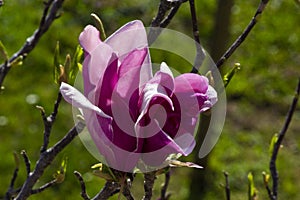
[132,116]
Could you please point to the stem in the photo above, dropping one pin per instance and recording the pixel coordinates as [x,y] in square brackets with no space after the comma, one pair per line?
[273,169]
[148,184]
[199,54]
[49,15]
[245,33]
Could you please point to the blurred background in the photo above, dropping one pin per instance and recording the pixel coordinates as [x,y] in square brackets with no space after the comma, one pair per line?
[258,96]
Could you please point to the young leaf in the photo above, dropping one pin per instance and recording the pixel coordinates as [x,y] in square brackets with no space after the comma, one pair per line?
[56,63]
[273,142]
[60,174]
[227,77]
[99,26]
[104,172]
[252,194]
[3,52]
[75,64]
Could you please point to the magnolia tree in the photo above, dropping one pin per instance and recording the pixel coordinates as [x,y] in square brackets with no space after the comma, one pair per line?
[133,115]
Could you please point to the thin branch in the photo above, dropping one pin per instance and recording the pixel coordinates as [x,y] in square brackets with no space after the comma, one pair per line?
[148,184]
[266,183]
[273,169]
[49,15]
[9,192]
[166,11]
[227,187]
[242,37]
[163,192]
[27,161]
[45,160]
[126,191]
[109,189]
[49,121]
[44,187]
[83,193]
[199,52]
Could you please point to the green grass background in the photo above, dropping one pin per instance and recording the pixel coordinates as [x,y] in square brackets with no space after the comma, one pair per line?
[258,96]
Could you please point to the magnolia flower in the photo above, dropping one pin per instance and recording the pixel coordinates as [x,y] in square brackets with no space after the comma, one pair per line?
[132,116]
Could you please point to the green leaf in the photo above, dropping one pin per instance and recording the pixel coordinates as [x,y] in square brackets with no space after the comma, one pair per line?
[104,172]
[272,144]
[3,52]
[56,63]
[252,193]
[60,173]
[17,62]
[227,77]
[99,26]
[75,64]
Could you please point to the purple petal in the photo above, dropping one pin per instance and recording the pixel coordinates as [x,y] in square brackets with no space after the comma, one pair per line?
[194,81]
[74,97]
[158,147]
[164,77]
[129,37]
[89,38]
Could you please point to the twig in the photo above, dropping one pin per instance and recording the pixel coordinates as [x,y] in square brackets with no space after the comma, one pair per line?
[109,189]
[163,192]
[49,121]
[83,193]
[9,192]
[242,37]
[273,169]
[49,15]
[265,180]
[126,191]
[227,187]
[44,187]
[148,184]
[163,19]
[45,160]
[27,161]
[199,54]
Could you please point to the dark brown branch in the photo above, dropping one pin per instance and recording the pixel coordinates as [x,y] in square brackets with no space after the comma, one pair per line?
[45,160]
[27,162]
[109,189]
[10,190]
[199,52]
[163,192]
[44,187]
[126,191]
[166,11]
[242,37]
[148,184]
[49,121]
[83,193]
[273,169]
[227,187]
[266,183]
[49,15]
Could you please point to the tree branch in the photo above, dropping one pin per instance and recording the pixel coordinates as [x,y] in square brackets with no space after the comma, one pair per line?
[227,187]
[273,169]
[163,19]
[83,193]
[45,160]
[49,15]
[109,189]
[9,192]
[163,192]
[27,161]
[242,37]
[199,52]
[148,184]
